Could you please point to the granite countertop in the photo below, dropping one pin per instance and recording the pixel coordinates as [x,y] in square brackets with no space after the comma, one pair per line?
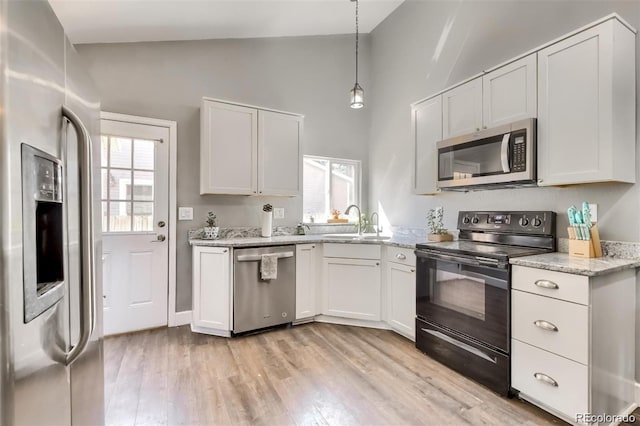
[405,241]
[562,262]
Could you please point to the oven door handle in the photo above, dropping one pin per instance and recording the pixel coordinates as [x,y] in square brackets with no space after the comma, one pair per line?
[464,260]
[461,345]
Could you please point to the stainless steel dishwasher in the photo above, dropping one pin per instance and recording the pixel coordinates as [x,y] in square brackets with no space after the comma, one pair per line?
[261,303]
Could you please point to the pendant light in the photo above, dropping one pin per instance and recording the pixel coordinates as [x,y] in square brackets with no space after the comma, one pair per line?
[357,94]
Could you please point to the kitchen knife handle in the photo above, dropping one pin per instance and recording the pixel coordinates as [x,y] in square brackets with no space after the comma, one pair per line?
[87,273]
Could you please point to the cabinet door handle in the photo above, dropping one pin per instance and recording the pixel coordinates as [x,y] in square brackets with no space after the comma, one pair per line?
[413,270]
[547,284]
[401,256]
[377,263]
[225,250]
[546,379]
[546,325]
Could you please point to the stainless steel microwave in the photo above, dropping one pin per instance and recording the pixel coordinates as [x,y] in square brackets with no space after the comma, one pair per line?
[503,156]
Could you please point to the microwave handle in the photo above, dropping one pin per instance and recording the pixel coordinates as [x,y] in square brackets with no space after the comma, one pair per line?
[504,153]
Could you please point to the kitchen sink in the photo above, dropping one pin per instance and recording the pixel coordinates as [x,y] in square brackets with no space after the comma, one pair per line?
[356,237]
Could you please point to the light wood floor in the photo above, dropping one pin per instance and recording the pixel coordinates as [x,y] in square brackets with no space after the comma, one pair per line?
[310,374]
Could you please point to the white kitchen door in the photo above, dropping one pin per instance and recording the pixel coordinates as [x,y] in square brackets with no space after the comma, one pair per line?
[135,225]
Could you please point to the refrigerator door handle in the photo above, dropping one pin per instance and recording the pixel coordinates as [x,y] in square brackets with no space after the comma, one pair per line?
[87,281]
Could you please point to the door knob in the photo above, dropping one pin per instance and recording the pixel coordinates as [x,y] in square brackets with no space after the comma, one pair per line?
[162,224]
[160,238]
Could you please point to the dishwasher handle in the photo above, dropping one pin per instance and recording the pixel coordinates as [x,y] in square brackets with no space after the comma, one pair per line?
[256,257]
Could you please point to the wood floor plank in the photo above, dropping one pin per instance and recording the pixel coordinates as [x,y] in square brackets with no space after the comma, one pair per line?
[313,374]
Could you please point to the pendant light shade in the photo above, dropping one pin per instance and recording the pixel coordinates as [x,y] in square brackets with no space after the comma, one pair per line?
[357,97]
[357,94]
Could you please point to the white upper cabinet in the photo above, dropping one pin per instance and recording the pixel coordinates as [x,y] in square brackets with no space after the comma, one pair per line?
[228,149]
[279,156]
[586,107]
[509,93]
[462,109]
[246,150]
[501,96]
[426,131]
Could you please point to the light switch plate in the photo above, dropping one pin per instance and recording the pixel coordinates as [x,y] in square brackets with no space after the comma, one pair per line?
[278,213]
[185,213]
[593,208]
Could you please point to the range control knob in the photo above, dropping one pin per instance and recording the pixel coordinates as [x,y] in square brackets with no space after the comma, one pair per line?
[475,220]
[523,221]
[466,220]
[537,222]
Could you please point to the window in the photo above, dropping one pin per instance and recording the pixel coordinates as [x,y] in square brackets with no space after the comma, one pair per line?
[329,184]
[127,184]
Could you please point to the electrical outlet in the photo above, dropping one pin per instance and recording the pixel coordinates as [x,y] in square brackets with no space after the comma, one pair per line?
[593,208]
[278,213]
[185,213]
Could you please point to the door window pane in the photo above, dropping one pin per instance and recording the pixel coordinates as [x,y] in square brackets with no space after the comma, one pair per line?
[142,216]
[119,184]
[143,153]
[120,152]
[119,216]
[105,151]
[128,192]
[142,186]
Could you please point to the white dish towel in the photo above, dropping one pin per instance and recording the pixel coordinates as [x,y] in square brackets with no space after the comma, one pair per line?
[269,266]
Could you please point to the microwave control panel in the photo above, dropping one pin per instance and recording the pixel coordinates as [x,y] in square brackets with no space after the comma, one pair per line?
[519,151]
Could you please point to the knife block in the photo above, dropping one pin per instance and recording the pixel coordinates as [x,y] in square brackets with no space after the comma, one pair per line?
[585,248]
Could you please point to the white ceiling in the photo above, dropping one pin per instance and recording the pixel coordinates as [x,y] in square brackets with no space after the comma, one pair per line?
[111,21]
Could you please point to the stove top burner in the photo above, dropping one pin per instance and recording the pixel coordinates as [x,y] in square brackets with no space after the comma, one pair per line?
[500,235]
[471,248]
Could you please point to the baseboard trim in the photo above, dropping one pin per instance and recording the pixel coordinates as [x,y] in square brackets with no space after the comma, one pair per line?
[637,393]
[209,331]
[181,318]
[354,322]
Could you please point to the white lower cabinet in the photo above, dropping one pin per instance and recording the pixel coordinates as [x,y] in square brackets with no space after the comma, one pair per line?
[558,382]
[351,281]
[573,341]
[400,267]
[212,299]
[306,281]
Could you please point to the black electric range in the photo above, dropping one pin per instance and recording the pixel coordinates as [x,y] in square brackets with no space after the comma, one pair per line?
[463,299]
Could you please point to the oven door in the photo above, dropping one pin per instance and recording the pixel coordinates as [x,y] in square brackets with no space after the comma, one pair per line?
[468,295]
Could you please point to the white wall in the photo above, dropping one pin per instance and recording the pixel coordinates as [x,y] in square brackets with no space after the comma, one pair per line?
[307,75]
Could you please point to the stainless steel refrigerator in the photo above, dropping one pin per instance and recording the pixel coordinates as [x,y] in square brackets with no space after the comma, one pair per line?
[51,356]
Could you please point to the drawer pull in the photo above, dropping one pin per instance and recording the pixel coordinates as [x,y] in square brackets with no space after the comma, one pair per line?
[544,378]
[546,325]
[401,256]
[547,284]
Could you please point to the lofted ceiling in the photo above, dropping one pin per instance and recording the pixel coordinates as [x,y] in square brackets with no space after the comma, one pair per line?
[112,21]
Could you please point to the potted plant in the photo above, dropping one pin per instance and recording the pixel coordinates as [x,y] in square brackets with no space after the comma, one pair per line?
[210,232]
[437,231]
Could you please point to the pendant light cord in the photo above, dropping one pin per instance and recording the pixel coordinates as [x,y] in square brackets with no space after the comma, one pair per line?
[356,42]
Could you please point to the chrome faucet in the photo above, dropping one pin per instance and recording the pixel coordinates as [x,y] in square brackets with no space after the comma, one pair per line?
[377,228]
[359,217]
